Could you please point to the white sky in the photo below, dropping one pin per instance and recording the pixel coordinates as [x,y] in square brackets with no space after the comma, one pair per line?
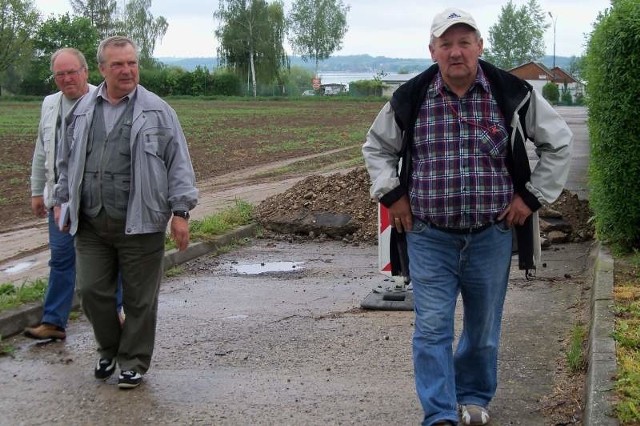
[397,29]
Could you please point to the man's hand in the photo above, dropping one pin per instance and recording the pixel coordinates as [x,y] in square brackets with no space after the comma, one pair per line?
[56,218]
[180,232]
[37,206]
[400,215]
[516,212]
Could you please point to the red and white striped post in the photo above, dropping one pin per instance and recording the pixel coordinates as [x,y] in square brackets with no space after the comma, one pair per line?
[384,240]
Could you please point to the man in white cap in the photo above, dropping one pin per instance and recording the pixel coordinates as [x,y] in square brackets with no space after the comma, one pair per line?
[447,158]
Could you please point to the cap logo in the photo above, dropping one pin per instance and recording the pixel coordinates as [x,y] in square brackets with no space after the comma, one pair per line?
[454,15]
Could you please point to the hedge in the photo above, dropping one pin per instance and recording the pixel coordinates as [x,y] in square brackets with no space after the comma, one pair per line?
[613,85]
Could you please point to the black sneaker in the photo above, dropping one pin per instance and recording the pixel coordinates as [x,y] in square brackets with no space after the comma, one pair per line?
[105,368]
[129,379]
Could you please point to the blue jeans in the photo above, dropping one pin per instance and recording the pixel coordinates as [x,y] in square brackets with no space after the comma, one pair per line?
[442,266]
[58,298]
[62,276]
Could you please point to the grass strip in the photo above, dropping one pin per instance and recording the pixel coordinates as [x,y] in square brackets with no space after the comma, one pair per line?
[206,229]
[575,354]
[12,296]
[627,337]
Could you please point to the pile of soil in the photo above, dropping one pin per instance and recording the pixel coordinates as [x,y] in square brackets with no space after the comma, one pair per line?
[348,193]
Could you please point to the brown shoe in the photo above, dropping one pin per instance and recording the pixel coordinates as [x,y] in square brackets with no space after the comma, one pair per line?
[45,332]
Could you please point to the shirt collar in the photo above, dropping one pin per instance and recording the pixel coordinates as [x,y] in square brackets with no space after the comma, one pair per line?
[438,86]
[103,96]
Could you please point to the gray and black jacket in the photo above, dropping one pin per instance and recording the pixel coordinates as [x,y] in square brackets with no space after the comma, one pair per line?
[527,117]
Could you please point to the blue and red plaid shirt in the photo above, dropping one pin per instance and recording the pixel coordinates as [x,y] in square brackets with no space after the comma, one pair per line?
[459,176]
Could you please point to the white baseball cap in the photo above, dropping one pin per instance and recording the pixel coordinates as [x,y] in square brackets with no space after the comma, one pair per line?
[449,17]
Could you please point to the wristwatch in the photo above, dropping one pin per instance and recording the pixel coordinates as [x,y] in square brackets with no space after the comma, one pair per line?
[182,213]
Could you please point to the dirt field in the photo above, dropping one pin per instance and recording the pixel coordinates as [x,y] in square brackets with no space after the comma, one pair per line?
[224,137]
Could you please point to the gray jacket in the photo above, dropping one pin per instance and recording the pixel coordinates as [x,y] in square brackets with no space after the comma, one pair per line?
[162,177]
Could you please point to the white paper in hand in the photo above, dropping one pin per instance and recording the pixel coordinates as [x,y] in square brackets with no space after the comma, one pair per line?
[63,220]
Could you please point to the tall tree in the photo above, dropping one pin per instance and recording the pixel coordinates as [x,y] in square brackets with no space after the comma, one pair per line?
[274,58]
[67,31]
[251,34]
[103,14]
[18,21]
[517,37]
[53,34]
[317,27]
[139,24]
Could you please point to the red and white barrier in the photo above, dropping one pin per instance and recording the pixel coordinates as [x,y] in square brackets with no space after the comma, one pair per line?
[384,240]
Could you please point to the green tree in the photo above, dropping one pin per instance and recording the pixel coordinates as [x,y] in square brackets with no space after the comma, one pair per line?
[274,58]
[53,34]
[251,35]
[139,24]
[18,21]
[66,31]
[317,27]
[103,14]
[517,37]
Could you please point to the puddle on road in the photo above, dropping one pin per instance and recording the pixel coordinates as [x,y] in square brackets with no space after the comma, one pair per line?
[19,267]
[261,268]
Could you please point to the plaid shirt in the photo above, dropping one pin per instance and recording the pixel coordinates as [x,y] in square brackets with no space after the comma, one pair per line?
[459,176]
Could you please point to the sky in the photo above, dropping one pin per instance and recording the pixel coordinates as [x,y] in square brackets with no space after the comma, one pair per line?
[396,29]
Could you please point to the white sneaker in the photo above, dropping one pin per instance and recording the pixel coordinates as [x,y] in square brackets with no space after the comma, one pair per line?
[129,379]
[473,415]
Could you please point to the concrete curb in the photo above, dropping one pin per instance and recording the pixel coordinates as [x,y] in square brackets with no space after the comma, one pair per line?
[14,321]
[174,257]
[601,351]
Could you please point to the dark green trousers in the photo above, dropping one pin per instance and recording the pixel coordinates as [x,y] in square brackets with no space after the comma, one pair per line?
[103,250]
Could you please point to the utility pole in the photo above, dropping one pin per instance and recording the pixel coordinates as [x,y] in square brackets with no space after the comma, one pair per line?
[554,20]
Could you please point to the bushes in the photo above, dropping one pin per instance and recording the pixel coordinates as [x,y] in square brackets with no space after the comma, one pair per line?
[566,98]
[551,93]
[613,87]
[200,82]
[366,88]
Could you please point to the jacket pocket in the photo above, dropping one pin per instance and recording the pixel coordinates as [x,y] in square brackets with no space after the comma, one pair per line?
[122,187]
[153,177]
[124,140]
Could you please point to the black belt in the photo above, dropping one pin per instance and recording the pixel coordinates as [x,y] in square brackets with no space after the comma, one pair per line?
[473,230]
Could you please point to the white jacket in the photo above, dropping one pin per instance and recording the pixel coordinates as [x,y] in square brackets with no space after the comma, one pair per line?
[43,177]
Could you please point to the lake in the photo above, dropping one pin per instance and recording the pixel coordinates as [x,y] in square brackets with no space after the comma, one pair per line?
[333,77]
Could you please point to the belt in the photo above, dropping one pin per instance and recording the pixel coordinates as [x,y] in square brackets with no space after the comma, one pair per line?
[473,230]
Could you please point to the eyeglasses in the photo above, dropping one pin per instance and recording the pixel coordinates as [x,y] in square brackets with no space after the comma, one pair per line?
[60,75]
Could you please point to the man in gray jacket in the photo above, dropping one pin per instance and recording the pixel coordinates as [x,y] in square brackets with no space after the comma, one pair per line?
[125,171]
[70,74]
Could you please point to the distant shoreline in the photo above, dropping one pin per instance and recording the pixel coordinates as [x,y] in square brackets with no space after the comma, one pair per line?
[355,64]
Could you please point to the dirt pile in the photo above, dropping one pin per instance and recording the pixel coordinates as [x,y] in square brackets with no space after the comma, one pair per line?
[348,193]
[345,193]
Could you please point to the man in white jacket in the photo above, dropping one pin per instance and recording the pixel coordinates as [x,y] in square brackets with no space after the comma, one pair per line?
[70,73]
[464,188]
